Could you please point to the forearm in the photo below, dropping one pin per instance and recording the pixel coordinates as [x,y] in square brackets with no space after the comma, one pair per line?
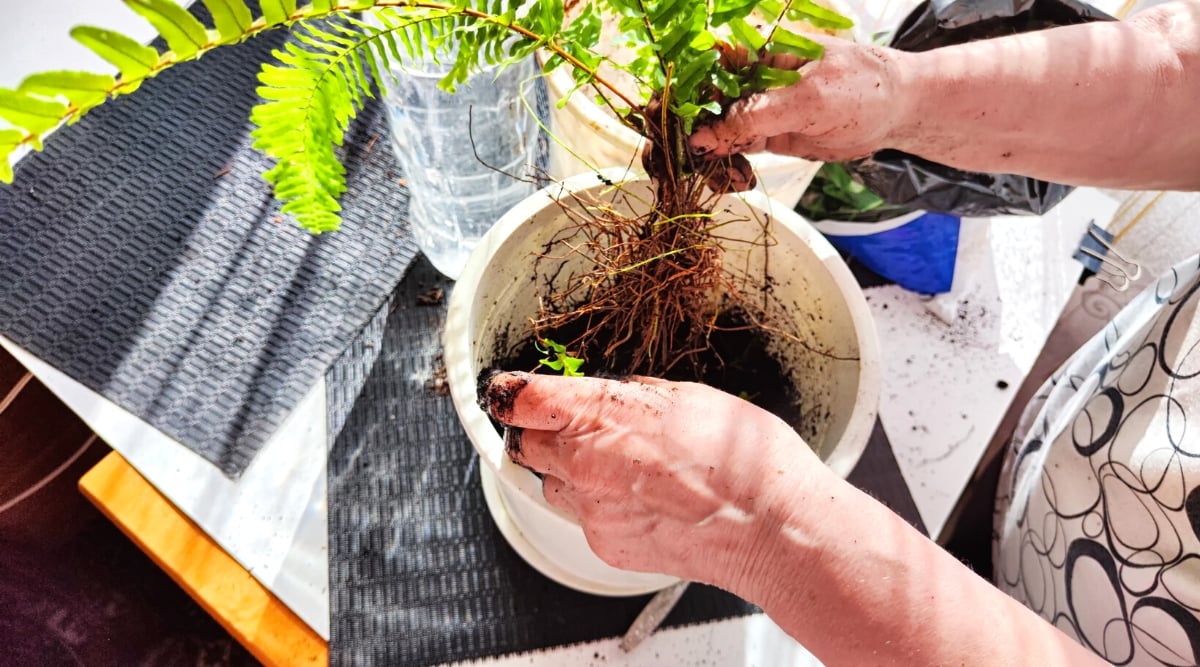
[1118,107]
[856,585]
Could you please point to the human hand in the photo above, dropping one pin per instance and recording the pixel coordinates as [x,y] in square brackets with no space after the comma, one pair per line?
[677,478]
[844,107]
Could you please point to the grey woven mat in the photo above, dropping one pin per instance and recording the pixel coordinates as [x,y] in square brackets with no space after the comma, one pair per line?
[143,255]
[418,572]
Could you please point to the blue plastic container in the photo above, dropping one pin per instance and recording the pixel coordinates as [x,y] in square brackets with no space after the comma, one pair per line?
[917,251]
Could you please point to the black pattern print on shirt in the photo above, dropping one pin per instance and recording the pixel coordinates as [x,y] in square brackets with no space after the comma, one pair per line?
[1098,513]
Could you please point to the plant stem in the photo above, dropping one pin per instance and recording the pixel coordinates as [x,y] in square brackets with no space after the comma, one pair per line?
[650,31]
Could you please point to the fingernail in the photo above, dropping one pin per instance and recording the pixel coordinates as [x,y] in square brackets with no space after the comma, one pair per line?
[482,382]
[500,390]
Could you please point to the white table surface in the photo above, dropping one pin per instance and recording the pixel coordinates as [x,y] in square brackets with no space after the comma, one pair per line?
[940,402]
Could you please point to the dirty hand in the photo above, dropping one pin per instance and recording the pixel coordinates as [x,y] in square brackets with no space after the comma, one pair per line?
[843,108]
[677,478]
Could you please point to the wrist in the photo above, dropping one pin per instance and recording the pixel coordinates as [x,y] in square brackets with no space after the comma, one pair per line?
[794,521]
[904,87]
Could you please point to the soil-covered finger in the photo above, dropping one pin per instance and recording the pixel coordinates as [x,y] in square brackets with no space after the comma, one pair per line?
[652,381]
[537,451]
[542,402]
[747,125]
[733,173]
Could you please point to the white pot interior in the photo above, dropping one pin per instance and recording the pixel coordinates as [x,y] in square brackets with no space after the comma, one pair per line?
[833,358]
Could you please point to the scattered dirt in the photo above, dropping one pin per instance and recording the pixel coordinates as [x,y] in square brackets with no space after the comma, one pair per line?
[433,297]
[438,382]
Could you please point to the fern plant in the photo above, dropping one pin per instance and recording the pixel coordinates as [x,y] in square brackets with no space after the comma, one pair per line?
[339,60]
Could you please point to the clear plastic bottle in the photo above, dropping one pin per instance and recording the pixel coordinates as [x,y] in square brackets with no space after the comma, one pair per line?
[460,152]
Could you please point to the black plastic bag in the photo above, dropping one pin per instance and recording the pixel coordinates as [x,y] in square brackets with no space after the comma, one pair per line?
[915,183]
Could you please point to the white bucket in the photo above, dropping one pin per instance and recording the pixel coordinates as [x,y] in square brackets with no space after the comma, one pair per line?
[811,284]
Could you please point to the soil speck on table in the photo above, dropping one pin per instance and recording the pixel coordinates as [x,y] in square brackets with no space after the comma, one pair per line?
[432,297]
[438,382]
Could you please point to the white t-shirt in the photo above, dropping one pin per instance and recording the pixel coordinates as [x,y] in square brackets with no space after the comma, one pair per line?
[1097,524]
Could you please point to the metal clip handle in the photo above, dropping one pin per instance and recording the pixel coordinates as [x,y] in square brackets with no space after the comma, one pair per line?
[652,616]
[1111,267]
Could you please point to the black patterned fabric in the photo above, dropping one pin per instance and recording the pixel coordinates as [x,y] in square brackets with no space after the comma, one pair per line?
[143,255]
[419,574]
[1098,506]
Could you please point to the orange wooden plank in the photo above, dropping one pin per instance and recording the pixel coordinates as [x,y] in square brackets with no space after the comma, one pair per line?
[251,613]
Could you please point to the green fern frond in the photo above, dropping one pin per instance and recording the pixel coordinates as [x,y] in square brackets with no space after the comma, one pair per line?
[312,94]
[231,17]
[184,33]
[134,61]
[276,12]
[32,113]
[81,89]
[36,107]
[337,61]
[345,63]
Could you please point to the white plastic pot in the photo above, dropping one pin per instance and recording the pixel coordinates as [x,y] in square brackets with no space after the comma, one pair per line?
[592,138]
[496,296]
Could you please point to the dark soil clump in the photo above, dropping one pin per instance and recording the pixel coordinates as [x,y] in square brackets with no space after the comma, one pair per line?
[737,362]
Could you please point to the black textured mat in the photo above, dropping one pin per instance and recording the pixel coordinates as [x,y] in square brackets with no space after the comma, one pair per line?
[419,574]
[143,255]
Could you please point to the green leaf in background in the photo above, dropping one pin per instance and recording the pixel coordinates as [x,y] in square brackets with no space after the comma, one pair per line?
[692,74]
[321,6]
[232,18]
[131,58]
[724,11]
[677,36]
[703,41]
[819,16]
[726,82]
[765,78]
[30,113]
[277,11]
[571,366]
[561,361]
[786,41]
[550,15]
[746,35]
[185,34]
[82,89]
[835,182]
[626,7]
[663,9]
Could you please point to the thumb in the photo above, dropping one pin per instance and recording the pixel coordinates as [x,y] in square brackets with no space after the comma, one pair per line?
[553,402]
[737,131]
[534,401]
[749,123]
